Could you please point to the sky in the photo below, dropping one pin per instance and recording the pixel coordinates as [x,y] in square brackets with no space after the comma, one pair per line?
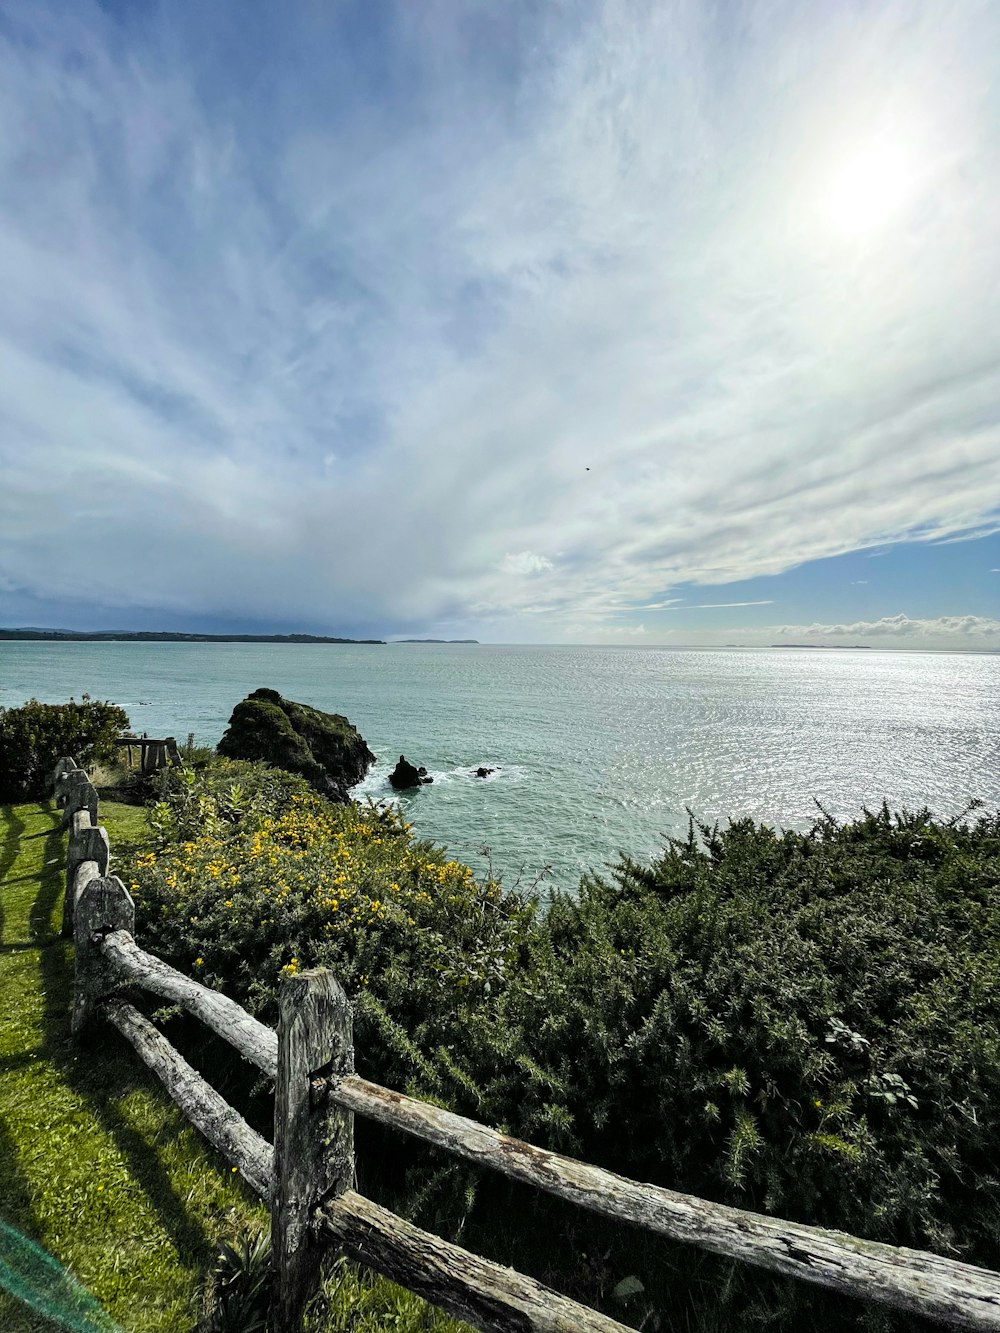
[550,321]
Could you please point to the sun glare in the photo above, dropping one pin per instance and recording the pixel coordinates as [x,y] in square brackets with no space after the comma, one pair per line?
[870,187]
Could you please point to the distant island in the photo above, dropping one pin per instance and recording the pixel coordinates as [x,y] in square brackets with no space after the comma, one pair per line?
[164,636]
[436,640]
[821,645]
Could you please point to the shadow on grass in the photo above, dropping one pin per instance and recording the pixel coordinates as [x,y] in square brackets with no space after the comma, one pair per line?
[15,1196]
[50,878]
[16,1207]
[13,827]
[20,879]
[106,1073]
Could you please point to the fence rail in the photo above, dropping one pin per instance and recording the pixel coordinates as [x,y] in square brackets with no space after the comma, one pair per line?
[307,1176]
[153,753]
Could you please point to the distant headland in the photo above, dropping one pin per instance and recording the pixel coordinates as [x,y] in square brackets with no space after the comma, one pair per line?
[164,636]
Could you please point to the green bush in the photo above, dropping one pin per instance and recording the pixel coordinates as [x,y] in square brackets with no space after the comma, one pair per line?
[803,1024]
[35,736]
[256,876]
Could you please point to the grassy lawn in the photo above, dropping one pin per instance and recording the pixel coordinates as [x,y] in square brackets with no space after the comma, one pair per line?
[96,1164]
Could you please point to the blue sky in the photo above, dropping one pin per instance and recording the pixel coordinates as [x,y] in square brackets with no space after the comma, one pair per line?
[660,323]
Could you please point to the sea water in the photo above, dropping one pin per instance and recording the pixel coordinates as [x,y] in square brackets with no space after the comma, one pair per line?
[595,750]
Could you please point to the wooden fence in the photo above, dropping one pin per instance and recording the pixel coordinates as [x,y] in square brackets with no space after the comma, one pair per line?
[153,754]
[307,1176]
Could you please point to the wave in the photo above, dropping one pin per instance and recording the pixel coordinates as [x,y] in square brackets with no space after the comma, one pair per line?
[376,781]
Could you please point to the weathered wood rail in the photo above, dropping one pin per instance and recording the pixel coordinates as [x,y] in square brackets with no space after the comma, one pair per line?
[153,753]
[307,1176]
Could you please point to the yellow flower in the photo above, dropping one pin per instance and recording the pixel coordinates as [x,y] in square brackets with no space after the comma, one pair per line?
[199,962]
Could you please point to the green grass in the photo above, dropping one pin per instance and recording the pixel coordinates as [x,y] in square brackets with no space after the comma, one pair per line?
[96,1164]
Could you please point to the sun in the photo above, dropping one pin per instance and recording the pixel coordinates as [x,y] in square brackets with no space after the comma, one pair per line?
[869,187]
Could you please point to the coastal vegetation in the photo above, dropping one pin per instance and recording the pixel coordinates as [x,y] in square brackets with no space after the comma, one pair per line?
[162,636]
[31,735]
[96,1165]
[323,747]
[100,1168]
[797,1023]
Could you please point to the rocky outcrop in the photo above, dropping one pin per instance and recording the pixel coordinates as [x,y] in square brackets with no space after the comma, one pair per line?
[484,772]
[406,775]
[323,747]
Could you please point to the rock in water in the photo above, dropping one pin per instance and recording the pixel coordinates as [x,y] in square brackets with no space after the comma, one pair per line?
[323,747]
[406,775]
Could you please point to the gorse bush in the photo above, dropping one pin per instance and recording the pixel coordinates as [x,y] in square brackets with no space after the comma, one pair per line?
[35,736]
[256,876]
[803,1024]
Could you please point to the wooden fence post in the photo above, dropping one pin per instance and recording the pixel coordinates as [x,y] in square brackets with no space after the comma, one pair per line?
[81,795]
[86,843]
[64,783]
[104,905]
[65,765]
[313,1137]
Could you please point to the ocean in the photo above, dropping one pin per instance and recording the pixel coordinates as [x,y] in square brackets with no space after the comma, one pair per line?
[596,750]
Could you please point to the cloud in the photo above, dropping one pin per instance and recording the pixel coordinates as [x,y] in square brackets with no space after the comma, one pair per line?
[525,562]
[593,632]
[678,604]
[702,606]
[903,626]
[859,583]
[467,258]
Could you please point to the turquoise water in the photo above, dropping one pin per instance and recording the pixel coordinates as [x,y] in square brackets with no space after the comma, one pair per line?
[598,749]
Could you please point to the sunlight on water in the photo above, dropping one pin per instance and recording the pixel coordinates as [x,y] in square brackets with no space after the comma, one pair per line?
[597,749]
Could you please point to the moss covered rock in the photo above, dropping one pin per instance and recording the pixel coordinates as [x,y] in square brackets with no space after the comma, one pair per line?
[323,747]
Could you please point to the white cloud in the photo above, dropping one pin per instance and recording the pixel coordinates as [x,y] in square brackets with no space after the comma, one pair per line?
[525,562]
[704,606]
[592,245]
[677,604]
[903,626]
[596,633]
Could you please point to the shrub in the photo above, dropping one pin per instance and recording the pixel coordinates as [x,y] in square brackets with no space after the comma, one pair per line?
[241,1285]
[802,1024]
[256,876]
[35,736]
